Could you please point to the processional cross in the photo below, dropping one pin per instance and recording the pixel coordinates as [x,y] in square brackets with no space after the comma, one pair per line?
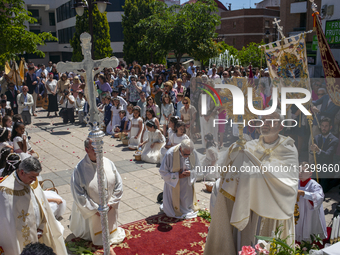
[92,67]
[279,28]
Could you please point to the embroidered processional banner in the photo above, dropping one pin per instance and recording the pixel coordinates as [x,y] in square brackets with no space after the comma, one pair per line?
[330,67]
[287,63]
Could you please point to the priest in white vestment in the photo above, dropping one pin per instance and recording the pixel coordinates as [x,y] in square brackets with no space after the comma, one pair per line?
[25,214]
[179,175]
[252,202]
[85,217]
[312,217]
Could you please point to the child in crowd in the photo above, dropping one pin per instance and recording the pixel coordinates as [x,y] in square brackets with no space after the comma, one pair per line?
[107,112]
[310,197]
[179,134]
[4,153]
[5,137]
[150,115]
[136,129]
[7,122]
[115,120]
[3,107]
[123,93]
[167,111]
[171,130]
[17,118]
[179,104]
[129,116]
[151,152]
[80,102]
[20,141]
[119,129]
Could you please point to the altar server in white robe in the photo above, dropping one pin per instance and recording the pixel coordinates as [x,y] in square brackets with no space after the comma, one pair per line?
[312,217]
[85,217]
[254,202]
[179,175]
[25,214]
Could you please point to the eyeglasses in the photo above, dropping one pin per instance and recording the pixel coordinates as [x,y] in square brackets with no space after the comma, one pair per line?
[186,103]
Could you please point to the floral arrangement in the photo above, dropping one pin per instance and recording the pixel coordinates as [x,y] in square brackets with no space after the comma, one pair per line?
[277,246]
[205,214]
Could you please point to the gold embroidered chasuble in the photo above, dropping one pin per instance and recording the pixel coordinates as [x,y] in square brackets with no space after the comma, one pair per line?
[254,200]
[18,226]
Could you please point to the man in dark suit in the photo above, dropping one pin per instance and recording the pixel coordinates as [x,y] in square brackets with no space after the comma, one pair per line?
[325,145]
[11,94]
[32,82]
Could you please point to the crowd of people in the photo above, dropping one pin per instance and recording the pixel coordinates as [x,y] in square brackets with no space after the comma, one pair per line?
[159,112]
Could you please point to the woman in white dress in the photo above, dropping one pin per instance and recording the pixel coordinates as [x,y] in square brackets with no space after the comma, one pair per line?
[150,115]
[171,130]
[167,111]
[136,129]
[209,159]
[151,152]
[115,109]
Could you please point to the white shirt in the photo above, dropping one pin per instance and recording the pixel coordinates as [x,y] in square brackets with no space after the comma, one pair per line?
[80,104]
[51,85]
[25,98]
[66,103]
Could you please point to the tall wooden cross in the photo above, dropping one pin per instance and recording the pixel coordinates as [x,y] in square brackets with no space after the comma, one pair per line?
[279,28]
[91,67]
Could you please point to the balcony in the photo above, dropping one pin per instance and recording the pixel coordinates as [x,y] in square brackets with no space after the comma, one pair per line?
[37,23]
[298,7]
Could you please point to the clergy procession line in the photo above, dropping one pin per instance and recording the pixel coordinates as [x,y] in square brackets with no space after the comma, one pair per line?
[158,115]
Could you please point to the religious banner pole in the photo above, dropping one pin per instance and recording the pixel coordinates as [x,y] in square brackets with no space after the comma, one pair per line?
[96,135]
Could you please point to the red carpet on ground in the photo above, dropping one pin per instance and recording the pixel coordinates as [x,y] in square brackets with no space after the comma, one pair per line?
[160,235]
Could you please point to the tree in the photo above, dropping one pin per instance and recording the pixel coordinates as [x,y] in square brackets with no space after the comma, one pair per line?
[15,38]
[134,11]
[252,53]
[182,29]
[101,35]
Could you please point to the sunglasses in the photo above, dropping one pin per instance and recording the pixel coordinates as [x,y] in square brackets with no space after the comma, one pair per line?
[186,103]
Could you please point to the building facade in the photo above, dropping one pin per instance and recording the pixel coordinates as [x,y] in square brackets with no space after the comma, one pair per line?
[59,18]
[241,27]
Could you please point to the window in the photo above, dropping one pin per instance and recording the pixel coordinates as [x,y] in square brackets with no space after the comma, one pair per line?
[234,41]
[234,24]
[115,6]
[303,18]
[35,13]
[116,32]
[65,11]
[51,16]
[266,40]
[36,31]
[66,34]
[266,23]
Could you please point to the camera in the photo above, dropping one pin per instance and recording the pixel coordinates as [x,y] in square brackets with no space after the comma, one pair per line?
[66,93]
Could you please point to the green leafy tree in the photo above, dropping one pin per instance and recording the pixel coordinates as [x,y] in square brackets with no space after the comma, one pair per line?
[182,29]
[252,53]
[101,35]
[15,38]
[232,50]
[134,11]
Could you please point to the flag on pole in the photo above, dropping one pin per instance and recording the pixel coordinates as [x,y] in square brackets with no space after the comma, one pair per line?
[22,69]
[330,67]
[7,68]
[14,75]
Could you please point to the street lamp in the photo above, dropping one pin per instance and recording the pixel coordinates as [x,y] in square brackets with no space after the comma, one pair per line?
[81,4]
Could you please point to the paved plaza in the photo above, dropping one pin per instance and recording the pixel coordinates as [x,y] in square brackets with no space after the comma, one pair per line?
[61,147]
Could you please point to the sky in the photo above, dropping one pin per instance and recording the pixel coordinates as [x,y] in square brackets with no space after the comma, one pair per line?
[236,4]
